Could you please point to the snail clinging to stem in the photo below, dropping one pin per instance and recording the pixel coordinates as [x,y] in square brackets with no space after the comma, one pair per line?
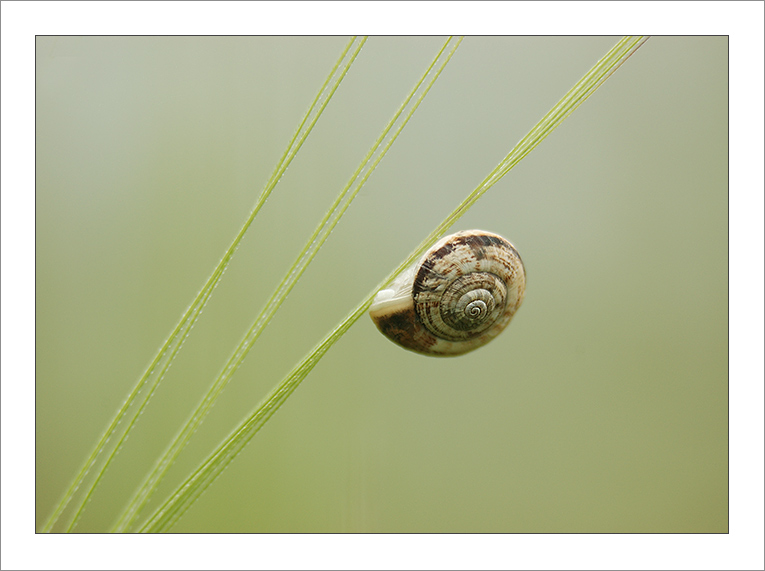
[460,295]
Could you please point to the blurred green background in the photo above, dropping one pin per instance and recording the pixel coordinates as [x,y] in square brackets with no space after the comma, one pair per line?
[602,408]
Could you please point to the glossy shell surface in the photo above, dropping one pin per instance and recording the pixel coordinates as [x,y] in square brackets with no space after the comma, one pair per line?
[460,295]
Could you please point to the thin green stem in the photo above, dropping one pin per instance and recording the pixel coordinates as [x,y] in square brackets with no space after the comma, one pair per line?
[187,493]
[314,243]
[166,354]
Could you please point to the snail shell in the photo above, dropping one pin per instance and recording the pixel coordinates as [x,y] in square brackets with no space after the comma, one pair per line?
[460,295]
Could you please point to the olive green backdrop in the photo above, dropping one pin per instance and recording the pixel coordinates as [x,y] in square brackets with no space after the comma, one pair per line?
[602,408]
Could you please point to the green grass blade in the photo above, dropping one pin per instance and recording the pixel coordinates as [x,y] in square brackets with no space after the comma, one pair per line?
[314,243]
[149,381]
[185,495]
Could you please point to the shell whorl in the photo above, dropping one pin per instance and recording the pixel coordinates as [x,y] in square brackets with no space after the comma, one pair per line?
[461,294]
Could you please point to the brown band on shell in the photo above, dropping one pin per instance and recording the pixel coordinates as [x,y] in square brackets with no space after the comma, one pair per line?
[403,327]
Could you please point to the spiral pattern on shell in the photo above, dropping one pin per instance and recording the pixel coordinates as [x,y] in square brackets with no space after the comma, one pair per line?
[462,293]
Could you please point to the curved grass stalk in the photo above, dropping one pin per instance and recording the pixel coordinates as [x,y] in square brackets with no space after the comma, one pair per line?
[174,342]
[187,493]
[317,239]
